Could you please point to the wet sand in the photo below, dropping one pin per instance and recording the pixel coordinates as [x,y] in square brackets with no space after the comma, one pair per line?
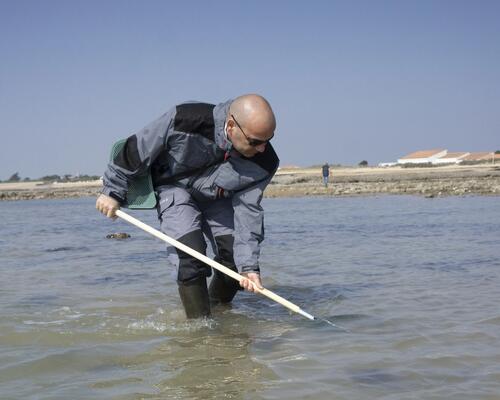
[293,182]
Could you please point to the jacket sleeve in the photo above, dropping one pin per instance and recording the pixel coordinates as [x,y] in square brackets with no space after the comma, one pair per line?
[248,227]
[136,156]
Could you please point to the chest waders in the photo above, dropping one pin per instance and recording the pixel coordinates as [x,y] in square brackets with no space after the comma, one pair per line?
[192,273]
[195,296]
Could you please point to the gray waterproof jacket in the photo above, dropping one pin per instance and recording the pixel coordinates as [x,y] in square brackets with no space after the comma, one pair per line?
[187,147]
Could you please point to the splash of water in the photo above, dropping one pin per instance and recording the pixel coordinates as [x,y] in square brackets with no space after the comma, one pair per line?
[334,325]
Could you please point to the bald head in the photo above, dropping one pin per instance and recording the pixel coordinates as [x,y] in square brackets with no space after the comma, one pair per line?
[255,113]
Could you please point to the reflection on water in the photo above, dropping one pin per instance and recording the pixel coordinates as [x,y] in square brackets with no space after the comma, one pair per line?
[207,363]
[409,286]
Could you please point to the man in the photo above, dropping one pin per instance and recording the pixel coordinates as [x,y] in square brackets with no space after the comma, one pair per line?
[210,165]
[326,173]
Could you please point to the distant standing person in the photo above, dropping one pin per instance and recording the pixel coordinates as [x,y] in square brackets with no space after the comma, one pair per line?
[326,173]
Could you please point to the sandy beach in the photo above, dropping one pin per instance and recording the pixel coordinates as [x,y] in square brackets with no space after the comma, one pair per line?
[429,182]
[293,182]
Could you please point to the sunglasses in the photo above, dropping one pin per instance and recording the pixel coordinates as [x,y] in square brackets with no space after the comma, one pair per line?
[252,142]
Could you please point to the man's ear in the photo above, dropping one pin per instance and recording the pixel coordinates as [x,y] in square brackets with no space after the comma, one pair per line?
[230,126]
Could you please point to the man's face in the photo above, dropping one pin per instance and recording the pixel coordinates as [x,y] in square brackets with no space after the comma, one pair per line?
[245,141]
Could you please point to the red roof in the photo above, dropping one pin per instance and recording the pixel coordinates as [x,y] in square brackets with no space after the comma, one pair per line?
[479,156]
[454,155]
[422,154]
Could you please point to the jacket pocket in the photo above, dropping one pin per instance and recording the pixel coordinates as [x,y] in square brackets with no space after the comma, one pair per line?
[166,201]
[203,187]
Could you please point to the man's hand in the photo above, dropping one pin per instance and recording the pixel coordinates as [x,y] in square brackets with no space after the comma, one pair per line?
[107,205]
[251,281]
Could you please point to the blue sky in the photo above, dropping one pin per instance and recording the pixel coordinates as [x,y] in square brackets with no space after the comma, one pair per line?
[348,80]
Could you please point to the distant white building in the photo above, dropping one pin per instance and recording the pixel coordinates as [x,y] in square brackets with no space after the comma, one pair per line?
[441,156]
[423,157]
[451,158]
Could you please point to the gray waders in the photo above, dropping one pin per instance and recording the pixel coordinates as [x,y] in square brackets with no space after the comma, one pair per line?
[192,277]
[196,298]
[188,220]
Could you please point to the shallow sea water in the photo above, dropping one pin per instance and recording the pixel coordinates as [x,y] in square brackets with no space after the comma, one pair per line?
[412,285]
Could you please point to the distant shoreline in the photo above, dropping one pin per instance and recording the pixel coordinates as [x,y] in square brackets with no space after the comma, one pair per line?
[454,180]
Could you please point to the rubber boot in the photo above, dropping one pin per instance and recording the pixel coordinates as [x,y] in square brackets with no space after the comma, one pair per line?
[222,288]
[194,298]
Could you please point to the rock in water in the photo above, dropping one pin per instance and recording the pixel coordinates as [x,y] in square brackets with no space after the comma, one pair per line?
[118,236]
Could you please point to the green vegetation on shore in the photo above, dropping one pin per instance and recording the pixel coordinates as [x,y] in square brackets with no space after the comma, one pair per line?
[15,177]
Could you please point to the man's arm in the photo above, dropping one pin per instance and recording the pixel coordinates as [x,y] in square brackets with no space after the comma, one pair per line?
[136,156]
[249,233]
